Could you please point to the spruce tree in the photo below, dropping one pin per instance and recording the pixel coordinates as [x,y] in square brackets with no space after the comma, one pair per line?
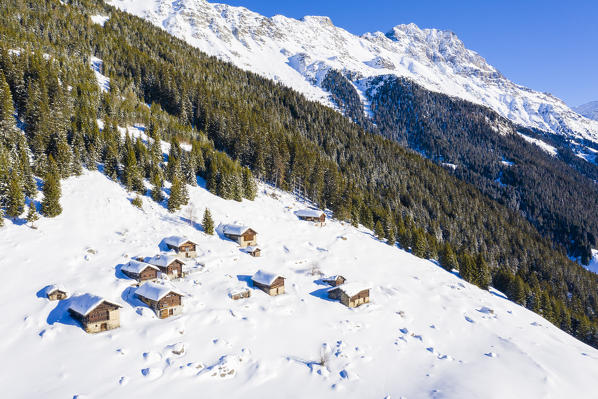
[207,222]
[157,183]
[177,195]
[32,215]
[249,186]
[390,237]
[51,201]
[1,217]
[448,258]
[379,230]
[420,245]
[15,200]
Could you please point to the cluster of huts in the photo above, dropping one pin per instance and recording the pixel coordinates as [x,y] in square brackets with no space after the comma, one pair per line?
[97,314]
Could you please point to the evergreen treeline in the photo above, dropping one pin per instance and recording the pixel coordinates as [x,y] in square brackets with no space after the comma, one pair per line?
[271,132]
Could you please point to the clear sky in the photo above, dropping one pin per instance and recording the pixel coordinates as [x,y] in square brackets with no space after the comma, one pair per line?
[547,45]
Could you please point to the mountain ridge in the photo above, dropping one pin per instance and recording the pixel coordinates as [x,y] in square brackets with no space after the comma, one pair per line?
[301,51]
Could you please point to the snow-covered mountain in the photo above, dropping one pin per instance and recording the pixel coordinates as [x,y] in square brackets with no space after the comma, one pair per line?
[589,110]
[425,334]
[299,53]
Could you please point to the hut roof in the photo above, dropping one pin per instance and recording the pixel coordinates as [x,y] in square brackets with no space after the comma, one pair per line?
[234,229]
[53,288]
[351,289]
[265,278]
[154,291]
[176,241]
[163,260]
[84,304]
[309,213]
[135,266]
[251,249]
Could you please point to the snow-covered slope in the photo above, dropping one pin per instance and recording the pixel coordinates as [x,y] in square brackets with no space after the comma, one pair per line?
[589,110]
[426,333]
[299,53]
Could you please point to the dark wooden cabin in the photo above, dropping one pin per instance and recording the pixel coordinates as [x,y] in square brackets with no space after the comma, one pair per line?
[95,313]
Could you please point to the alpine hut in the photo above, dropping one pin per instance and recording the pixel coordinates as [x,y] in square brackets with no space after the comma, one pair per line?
[254,251]
[334,280]
[161,299]
[168,264]
[55,293]
[140,271]
[271,283]
[182,246]
[350,294]
[243,235]
[95,313]
[311,215]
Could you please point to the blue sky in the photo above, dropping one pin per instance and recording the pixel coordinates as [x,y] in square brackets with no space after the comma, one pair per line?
[548,45]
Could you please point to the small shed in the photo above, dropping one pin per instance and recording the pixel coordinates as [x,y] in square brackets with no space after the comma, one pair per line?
[168,264]
[182,246]
[163,300]
[95,313]
[311,215]
[239,293]
[242,235]
[271,283]
[254,251]
[140,271]
[55,293]
[334,280]
[350,294]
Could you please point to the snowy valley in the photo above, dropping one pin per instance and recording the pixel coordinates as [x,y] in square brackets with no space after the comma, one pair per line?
[425,332]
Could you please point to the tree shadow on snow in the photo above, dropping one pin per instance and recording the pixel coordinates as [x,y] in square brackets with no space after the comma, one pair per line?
[192,223]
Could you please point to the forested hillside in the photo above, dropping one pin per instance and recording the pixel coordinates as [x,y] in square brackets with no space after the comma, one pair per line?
[235,121]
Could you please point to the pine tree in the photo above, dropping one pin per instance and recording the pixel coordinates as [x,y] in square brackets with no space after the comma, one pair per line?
[420,245]
[138,202]
[1,217]
[32,215]
[15,200]
[482,275]
[390,237]
[51,201]
[467,267]
[177,195]
[249,186]
[448,258]
[207,222]
[157,184]
[379,230]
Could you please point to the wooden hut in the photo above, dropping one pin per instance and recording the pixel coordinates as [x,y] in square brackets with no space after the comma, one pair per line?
[311,215]
[55,293]
[334,280]
[168,264]
[350,294]
[182,246]
[140,271]
[161,299]
[271,283]
[95,313]
[242,235]
[239,293]
[254,251]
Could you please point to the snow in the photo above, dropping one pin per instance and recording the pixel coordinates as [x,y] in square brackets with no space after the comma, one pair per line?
[134,266]
[52,288]
[99,19]
[309,213]
[422,334]
[233,229]
[299,53]
[264,277]
[543,145]
[84,304]
[351,288]
[103,81]
[163,260]
[176,241]
[154,291]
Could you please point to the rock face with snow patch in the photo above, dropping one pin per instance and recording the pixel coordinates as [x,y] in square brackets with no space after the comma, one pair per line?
[299,53]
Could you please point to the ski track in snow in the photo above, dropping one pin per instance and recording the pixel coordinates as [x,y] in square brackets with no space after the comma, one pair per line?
[426,333]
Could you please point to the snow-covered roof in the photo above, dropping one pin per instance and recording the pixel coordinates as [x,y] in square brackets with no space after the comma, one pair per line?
[265,278]
[163,260]
[234,229]
[176,241]
[135,266]
[332,278]
[309,213]
[154,291]
[84,304]
[251,248]
[351,289]
[52,288]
